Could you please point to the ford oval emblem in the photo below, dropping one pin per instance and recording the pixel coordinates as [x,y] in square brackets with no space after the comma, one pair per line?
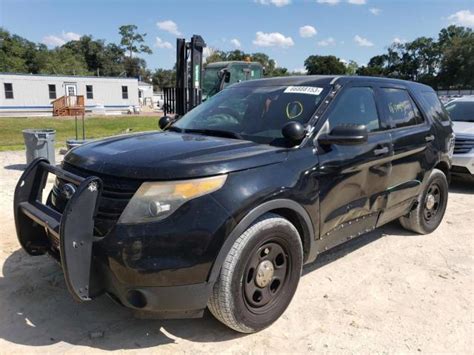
[68,190]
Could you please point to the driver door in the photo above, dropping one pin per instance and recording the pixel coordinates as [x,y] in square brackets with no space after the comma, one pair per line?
[353,178]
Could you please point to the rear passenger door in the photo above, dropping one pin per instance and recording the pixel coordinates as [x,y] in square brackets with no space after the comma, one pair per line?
[412,136]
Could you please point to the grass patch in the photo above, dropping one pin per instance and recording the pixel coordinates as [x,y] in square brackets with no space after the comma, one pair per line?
[11,136]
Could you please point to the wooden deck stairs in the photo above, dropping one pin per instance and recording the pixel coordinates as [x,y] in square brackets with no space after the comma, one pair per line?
[69,106]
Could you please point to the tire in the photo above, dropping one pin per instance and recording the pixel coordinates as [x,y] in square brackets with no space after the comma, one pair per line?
[424,220]
[247,296]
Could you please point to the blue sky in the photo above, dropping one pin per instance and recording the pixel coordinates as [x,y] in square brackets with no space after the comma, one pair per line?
[287,30]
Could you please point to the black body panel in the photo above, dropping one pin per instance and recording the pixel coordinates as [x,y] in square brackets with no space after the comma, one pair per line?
[330,192]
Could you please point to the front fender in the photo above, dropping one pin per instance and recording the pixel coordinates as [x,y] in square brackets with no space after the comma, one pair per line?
[254,214]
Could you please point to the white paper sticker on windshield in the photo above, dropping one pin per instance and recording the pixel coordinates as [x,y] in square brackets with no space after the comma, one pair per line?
[310,90]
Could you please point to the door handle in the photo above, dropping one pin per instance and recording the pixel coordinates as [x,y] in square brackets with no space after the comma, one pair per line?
[429,138]
[381,151]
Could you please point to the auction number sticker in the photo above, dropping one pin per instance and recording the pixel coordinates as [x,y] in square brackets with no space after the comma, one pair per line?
[309,90]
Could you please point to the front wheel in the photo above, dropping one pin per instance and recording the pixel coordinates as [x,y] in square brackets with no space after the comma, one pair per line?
[259,275]
[429,212]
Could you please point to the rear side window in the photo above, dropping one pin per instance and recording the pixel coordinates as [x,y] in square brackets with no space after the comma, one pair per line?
[356,106]
[401,109]
[434,107]
[124,92]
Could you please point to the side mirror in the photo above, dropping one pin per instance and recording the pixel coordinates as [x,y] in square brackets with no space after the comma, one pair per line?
[224,75]
[294,132]
[165,122]
[345,135]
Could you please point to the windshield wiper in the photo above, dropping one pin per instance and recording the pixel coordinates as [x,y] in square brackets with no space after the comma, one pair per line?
[215,132]
[174,129]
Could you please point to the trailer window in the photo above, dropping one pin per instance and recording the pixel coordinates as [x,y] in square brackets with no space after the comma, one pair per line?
[52,91]
[89,92]
[124,92]
[8,90]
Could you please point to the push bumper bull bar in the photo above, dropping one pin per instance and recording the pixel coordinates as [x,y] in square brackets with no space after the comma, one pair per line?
[40,228]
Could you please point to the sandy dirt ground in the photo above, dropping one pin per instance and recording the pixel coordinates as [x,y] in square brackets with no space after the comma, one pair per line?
[388,291]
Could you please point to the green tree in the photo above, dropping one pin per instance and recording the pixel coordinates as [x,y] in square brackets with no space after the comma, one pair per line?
[351,67]
[163,78]
[324,65]
[133,41]
[64,61]
[101,59]
[457,64]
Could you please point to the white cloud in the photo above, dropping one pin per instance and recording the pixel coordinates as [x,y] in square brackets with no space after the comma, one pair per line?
[235,42]
[71,36]
[162,44]
[307,31]
[169,26]
[362,42]
[327,42]
[300,70]
[357,2]
[329,2]
[206,52]
[462,18]
[54,41]
[375,11]
[398,40]
[277,3]
[273,39]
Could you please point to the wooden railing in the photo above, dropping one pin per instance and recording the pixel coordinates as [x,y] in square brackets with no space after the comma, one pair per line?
[69,105]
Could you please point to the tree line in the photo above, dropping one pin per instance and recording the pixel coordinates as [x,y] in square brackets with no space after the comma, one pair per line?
[443,62]
[86,56]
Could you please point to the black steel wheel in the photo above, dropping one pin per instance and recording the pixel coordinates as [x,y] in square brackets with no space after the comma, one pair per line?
[432,203]
[265,276]
[259,276]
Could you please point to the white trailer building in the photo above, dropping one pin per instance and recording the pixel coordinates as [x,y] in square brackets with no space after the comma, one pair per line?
[32,95]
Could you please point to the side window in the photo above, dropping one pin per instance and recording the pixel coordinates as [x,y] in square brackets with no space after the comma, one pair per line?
[434,107]
[356,106]
[8,90]
[89,91]
[52,91]
[124,92]
[401,109]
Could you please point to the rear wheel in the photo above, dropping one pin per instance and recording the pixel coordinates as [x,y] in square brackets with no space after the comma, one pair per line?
[259,275]
[429,212]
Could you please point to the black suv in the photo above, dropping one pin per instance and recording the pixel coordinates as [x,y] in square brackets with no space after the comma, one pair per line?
[224,207]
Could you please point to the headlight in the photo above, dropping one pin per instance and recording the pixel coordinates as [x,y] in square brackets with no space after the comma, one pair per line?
[157,200]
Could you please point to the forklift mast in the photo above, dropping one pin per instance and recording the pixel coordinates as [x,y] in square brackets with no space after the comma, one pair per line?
[188,91]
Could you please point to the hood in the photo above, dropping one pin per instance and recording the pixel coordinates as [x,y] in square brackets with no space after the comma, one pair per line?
[463,128]
[170,155]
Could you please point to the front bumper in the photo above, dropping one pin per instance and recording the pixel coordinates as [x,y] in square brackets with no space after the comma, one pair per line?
[463,162]
[39,227]
[156,269]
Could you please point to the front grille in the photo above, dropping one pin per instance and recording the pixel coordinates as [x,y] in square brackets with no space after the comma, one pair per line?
[116,193]
[463,145]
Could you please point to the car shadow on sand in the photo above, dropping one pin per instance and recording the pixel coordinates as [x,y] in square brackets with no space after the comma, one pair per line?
[462,185]
[37,310]
[19,167]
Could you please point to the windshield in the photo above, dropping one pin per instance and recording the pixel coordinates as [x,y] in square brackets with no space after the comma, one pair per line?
[461,110]
[254,113]
[211,81]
